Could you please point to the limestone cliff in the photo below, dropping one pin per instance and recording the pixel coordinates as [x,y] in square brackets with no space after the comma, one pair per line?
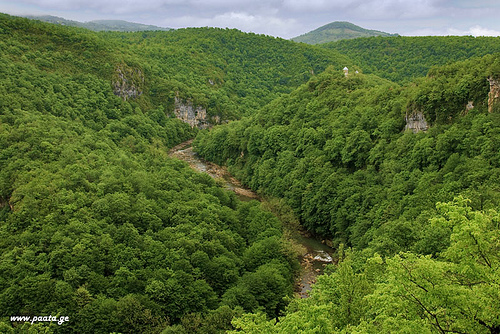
[196,116]
[494,93]
[128,82]
[415,121]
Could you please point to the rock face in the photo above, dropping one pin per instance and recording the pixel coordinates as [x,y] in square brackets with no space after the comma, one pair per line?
[494,93]
[128,82]
[188,113]
[415,121]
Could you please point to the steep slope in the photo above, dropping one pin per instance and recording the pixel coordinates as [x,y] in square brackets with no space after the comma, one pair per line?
[402,59]
[337,31]
[425,203]
[336,149]
[210,75]
[225,71]
[97,223]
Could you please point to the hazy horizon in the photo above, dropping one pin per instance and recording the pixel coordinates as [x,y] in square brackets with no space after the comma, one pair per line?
[281,18]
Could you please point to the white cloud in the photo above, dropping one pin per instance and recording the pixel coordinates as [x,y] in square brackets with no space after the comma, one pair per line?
[480,31]
[318,5]
[364,9]
[285,18]
[398,9]
[472,31]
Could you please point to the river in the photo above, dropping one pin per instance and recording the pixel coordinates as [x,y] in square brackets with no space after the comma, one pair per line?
[315,255]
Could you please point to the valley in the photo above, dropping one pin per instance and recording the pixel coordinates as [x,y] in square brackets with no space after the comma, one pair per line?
[313,255]
[183,182]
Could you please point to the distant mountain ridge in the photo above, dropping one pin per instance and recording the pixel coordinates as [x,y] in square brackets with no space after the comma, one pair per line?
[99,25]
[336,31]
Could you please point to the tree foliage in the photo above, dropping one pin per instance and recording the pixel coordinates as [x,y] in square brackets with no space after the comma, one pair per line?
[402,59]
[97,223]
[454,292]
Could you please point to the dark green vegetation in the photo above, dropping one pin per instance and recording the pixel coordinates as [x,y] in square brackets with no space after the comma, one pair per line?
[99,25]
[337,31]
[337,151]
[402,59]
[96,222]
[224,70]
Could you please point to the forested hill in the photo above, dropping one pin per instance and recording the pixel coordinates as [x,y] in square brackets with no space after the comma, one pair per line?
[418,208]
[337,31]
[97,224]
[402,59]
[229,72]
[336,149]
[224,71]
[99,25]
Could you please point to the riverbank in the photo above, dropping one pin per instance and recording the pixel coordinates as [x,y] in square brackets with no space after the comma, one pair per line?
[312,253]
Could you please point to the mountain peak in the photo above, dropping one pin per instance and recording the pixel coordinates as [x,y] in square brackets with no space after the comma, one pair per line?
[336,31]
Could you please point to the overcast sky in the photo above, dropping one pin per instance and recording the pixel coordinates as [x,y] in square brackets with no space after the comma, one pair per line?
[283,18]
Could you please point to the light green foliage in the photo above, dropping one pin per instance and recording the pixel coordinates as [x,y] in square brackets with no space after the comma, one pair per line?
[228,72]
[457,291]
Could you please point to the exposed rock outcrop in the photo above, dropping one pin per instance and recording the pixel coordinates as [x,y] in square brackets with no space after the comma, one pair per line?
[128,82]
[494,93]
[469,106]
[415,121]
[188,113]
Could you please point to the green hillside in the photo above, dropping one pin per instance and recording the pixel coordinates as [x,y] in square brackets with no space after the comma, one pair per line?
[100,225]
[225,71]
[402,59]
[336,149]
[99,25]
[228,72]
[337,31]
[97,223]
[419,209]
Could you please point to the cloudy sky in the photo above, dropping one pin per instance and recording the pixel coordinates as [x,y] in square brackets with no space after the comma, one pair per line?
[283,18]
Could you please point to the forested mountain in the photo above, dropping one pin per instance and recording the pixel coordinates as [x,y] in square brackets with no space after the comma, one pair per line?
[402,59]
[225,71]
[99,25]
[337,31]
[336,149]
[228,72]
[97,223]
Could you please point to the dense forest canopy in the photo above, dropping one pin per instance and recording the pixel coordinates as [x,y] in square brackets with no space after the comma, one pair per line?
[229,72]
[402,59]
[337,150]
[97,223]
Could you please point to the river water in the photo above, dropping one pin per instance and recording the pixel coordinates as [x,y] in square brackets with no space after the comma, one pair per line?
[315,254]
